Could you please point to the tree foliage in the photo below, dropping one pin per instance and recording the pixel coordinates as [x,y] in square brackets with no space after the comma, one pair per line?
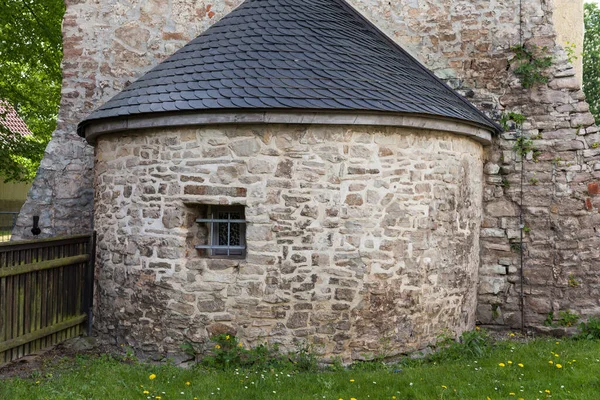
[591,58]
[30,80]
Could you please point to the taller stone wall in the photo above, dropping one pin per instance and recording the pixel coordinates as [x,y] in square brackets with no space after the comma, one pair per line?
[110,43]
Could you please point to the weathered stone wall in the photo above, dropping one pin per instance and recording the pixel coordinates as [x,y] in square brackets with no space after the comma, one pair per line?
[467,42]
[355,235]
[570,30]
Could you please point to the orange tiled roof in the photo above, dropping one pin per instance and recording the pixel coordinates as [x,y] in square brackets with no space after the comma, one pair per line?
[11,120]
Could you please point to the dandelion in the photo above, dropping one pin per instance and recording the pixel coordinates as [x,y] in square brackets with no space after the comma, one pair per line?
[351,380]
[152,376]
[556,355]
[241,345]
[352,398]
[509,362]
[217,346]
[445,387]
[520,365]
[477,328]
[227,337]
[158,397]
[511,334]
[502,365]
[511,394]
[146,392]
[188,383]
[547,391]
[558,366]
[550,362]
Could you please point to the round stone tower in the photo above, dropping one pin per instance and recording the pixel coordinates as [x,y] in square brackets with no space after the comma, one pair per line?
[289,175]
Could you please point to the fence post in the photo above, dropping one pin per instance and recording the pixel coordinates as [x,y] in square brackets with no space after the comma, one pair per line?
[89,284]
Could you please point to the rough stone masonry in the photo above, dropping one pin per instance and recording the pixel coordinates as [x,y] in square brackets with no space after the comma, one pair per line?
[110,43]
[356,236]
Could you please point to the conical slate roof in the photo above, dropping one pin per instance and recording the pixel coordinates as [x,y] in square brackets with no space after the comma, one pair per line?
[318,55]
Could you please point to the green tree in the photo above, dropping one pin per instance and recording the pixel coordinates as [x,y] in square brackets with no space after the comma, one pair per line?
[30,80]
[591,58]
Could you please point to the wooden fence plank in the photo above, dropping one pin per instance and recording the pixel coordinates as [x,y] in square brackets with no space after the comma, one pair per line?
[43,293]
[21,340]
[52,264]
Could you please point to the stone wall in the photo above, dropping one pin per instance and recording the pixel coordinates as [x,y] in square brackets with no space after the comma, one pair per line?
[467,43]
[355,236]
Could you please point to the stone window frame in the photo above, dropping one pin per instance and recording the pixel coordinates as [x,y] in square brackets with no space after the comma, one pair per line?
[213,249]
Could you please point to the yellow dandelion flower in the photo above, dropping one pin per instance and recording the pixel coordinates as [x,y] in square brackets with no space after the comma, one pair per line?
[340,398]
[502,365]
[556,355]
[351,380]
[218,346]
[547,391]
[394,397]
[227,337]
[188,383]
[557,342]
[511,334]
[509,362]
[444,386]
[152,376]
[146,392]
[558,366]
[37,382]
[550,362]
[520,398]
[158,397]
[511,394]
[241,345]
[477,328]
[352,398]
[488,398]
[520,365]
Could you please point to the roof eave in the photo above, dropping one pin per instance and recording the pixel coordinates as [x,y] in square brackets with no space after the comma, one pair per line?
[92,129]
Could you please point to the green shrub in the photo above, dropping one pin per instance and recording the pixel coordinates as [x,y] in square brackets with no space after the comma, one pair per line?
[590,330]
[471,344]
[567,318]
[228,353]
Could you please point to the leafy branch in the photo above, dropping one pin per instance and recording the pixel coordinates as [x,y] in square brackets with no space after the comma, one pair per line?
[531,64]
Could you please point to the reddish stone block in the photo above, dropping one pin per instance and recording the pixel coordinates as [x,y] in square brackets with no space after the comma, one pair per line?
[593,188]
[588,204]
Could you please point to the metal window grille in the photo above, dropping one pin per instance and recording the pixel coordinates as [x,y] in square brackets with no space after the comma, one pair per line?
[227,232]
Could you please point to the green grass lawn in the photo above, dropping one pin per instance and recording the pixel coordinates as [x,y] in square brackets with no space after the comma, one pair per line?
[540,369]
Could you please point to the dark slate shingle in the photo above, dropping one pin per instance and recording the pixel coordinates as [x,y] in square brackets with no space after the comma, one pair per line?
[291,55]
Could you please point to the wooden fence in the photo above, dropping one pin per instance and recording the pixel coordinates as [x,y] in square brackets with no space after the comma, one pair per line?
[45,293]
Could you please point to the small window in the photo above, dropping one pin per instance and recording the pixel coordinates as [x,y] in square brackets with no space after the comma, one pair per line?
[227,232]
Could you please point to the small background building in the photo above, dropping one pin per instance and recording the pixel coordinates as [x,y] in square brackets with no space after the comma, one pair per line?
[12,194]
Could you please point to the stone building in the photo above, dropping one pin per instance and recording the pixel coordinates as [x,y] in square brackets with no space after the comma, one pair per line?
[289,174]
[468,44]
